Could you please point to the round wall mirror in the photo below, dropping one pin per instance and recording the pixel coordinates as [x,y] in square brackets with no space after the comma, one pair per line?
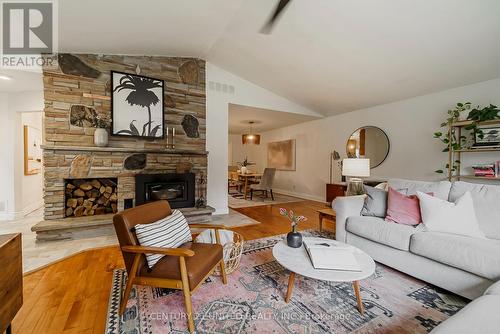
[368,142]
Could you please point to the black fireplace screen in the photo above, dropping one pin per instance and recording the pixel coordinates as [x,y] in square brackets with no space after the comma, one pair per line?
[177,189]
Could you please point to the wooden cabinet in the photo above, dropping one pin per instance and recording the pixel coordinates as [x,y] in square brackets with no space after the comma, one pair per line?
[11,279]
[334,190]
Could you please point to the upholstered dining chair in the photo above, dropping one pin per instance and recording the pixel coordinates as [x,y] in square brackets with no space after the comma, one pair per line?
[265,184]
[184,268]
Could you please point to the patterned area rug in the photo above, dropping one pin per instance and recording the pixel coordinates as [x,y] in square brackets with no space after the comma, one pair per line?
[253,302]
[236,200]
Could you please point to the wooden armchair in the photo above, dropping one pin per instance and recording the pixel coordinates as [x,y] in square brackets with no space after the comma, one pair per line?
[184,268]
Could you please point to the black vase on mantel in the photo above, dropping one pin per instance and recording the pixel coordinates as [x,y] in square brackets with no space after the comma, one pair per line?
[294,239]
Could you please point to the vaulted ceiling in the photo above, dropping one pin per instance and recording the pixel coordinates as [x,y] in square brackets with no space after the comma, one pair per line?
[332,56]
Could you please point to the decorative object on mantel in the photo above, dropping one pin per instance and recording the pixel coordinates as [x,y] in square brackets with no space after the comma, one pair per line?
[456,140]
[101,133]
[250,138]
[135,162]
[293,238]
[281,155]
[355,169]
[170,135]
[138,113]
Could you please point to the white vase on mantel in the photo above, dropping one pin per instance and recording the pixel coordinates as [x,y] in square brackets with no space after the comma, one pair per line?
[243,170]
[101,137]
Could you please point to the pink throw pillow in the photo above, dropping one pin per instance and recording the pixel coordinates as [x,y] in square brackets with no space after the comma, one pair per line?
[402,209]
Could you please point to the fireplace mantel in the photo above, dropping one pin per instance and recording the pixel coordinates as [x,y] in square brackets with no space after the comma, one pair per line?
[123,150]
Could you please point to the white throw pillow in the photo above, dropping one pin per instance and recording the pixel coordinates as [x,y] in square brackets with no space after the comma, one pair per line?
[169,232]
[456,218]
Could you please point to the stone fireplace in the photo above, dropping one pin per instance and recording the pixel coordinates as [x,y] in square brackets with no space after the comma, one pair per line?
[77,92]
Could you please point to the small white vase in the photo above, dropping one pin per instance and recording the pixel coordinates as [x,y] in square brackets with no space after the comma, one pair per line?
[101,137]
[243,170]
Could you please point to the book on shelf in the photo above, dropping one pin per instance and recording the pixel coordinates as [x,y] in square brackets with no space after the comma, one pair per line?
[331,255]
[487,170]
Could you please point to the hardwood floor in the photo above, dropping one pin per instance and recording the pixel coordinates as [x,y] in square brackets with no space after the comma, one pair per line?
[71,296]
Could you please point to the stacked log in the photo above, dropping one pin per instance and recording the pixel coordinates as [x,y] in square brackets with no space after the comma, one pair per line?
[90,197]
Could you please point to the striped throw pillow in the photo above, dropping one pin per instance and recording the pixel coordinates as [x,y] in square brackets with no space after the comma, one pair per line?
[169,232]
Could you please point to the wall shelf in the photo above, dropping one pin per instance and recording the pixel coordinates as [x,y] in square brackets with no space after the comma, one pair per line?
[456,155]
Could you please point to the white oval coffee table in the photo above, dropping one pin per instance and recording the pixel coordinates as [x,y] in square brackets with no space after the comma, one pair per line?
[297,261]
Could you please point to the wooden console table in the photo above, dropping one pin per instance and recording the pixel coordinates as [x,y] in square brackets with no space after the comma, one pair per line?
[11,279]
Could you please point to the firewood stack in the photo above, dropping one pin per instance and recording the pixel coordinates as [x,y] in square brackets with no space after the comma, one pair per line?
[89,197]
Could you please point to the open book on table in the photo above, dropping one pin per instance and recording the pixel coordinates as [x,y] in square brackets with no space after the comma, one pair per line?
[325,254]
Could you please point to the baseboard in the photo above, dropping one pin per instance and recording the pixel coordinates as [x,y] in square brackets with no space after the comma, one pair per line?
[20,214]
[299,195]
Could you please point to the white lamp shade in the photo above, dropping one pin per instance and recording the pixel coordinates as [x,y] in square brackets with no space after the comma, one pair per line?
[356,167]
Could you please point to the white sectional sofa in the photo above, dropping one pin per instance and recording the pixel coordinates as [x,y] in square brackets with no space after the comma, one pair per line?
[463,265]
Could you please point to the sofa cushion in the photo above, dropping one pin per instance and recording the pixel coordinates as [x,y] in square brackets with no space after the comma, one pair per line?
[375,202]
[479,316]
[477,256]
[440,189]
[402,209]
[486,200]
[378,230]
[493,289]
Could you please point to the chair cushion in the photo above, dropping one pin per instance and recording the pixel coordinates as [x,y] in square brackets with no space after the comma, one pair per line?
[378,230]
[169,232]
[439,189]
[480,316]
[206,257]
[485,199]
[477,256]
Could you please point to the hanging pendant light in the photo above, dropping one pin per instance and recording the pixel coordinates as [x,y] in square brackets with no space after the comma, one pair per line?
[250,138]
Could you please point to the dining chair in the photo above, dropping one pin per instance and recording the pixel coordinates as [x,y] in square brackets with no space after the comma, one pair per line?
[184,268]
[265,184]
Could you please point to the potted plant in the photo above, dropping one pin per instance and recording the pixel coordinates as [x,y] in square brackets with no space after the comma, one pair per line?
[293,238]
[243,165]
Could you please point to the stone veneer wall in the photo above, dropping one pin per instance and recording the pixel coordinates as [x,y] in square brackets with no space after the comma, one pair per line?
[77,93]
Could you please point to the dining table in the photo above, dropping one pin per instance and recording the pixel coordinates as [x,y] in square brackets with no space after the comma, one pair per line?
[246,178]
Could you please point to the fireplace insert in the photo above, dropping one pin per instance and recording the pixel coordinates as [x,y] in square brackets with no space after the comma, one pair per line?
[177,189]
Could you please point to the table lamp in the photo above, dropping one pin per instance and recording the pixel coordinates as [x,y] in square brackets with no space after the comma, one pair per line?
[354,169]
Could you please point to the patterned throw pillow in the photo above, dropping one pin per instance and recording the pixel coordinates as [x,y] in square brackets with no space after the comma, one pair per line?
[169,232]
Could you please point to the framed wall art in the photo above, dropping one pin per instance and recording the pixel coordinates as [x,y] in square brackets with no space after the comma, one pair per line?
[137,106]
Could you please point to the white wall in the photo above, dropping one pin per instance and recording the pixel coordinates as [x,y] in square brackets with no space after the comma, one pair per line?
[245,93]
[410,125]
[6,158]
[19,194]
